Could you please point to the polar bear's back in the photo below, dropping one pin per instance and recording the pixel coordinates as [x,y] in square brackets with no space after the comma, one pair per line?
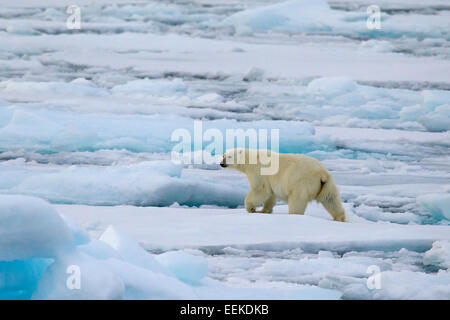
[299,162]
[295,169]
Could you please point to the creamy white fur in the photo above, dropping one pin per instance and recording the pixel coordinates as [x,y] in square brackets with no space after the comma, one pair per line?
[298,180]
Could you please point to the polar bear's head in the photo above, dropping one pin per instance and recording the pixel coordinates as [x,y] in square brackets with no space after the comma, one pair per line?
[242,159]
[235,158]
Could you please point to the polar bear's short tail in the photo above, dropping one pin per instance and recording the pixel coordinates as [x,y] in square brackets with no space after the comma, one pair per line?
[329,197]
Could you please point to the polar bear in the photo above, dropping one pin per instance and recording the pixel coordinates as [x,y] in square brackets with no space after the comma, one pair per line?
[298,180]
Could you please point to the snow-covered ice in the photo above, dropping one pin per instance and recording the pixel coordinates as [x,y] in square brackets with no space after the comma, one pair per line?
[37,264]
[438,255]
[214,227]
[437,204]
[272,251]
[86,170]
[29,227]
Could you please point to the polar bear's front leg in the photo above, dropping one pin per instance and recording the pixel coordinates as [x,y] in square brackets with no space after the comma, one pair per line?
[269,204]
[253,200]
[250,202]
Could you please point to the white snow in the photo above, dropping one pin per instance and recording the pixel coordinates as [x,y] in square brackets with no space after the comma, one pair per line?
[157,183]
[438,255]
[113,267]
[275,249]
[129,250]
[294,15]
[70,131]
[30,228]
[438,204]
[437,120]
[160,228]
[86,119]
[152,88]
[414,285]
[297,16]
[186,267]
[214,57]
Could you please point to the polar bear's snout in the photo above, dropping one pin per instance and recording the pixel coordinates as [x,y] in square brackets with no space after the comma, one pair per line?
[223,164]
[233,158]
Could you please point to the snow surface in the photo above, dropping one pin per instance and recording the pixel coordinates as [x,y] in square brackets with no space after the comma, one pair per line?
[438,255]
[29,227]
[86,118]
[282,251]
[316,16]
[40,264]
[157,228]
[438,204]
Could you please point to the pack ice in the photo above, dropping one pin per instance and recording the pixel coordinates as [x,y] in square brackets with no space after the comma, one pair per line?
[93,207]
[46,256]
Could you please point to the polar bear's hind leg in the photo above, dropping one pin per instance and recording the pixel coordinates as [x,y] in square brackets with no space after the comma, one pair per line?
[334,207]
[330,199]
[297,203]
